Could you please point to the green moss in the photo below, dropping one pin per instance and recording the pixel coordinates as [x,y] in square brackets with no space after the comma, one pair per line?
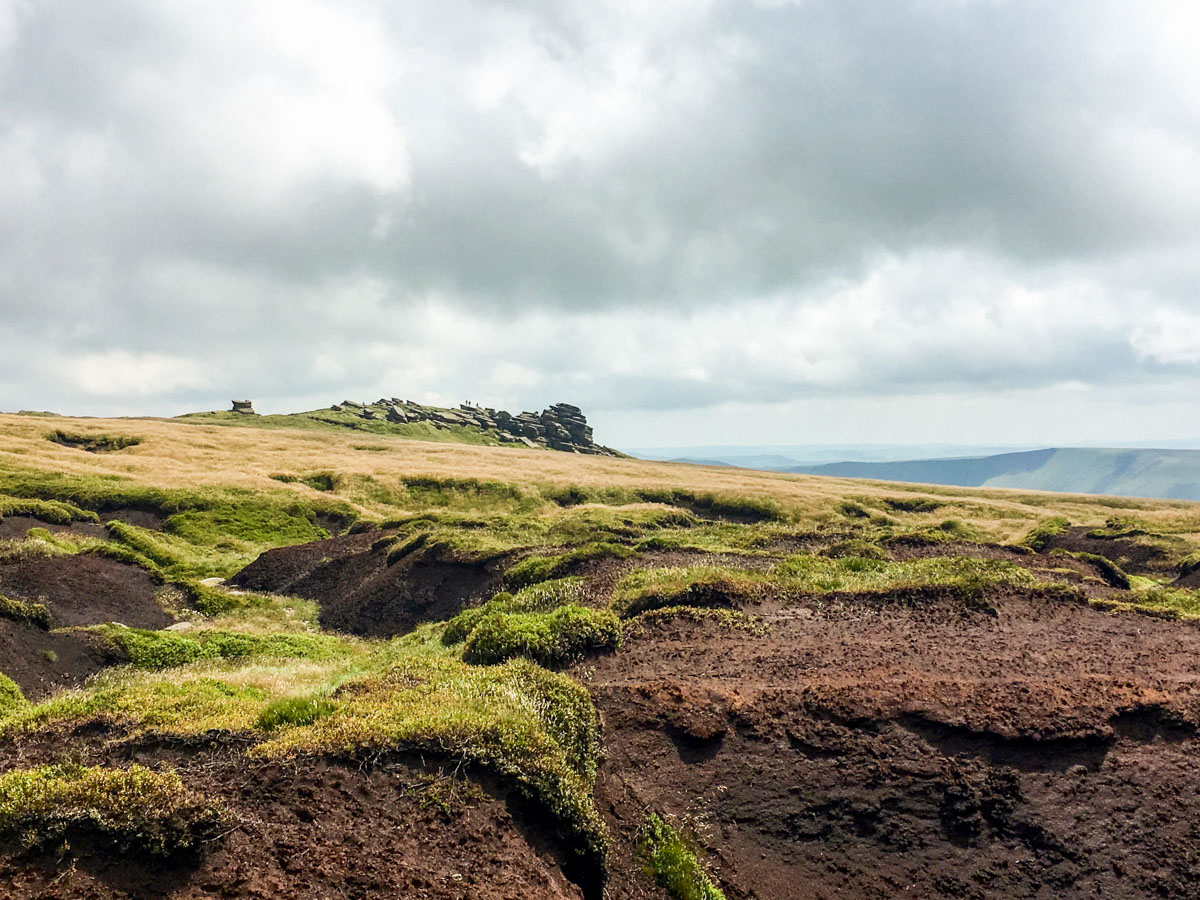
[541,597]
[551,639]
[93,443]
[132,809]
[672,862]
[166,649]
[1041,536]
[533,569]
[54,512]
[294,711]
[11,697]
[28,613]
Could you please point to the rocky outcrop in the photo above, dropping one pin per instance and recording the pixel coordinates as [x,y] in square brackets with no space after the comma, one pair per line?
[245,407]
[560,427]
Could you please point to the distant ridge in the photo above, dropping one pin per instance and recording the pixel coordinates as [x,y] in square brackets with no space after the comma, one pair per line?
[1165,474]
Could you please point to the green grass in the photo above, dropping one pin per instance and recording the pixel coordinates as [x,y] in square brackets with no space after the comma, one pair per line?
[1109,570]
[11,697]
[93,443]
[534,569]
[552,639]
[53,512]
[541,597]
[294,711]
[132,810]
[733,619]
[672,862]
[28,613]
[165,649]
[1040,537]
[717,586]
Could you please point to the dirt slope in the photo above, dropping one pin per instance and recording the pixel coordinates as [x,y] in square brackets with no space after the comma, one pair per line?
[868,750]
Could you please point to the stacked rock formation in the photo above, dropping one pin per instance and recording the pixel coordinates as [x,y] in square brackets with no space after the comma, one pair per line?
[245,407]
[561,427]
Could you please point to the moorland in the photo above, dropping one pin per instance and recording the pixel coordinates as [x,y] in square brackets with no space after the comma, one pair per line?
[320,662]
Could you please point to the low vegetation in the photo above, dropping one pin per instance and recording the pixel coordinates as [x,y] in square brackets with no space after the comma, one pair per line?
[30,613]
[93,443]
[589,551]
[552,639]
[672,862]
[132,810]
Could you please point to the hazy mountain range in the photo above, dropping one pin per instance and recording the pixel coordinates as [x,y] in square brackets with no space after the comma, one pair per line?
[1163,472]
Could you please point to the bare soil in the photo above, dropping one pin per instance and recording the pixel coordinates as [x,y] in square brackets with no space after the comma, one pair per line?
[869,749]
[86,590]
[315,829]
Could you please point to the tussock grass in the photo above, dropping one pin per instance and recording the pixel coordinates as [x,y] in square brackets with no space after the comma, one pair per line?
[30,613]
[133,809]
[165,649]
[672,862]
[552,639]
[11,697]
[93,443]
[541,597]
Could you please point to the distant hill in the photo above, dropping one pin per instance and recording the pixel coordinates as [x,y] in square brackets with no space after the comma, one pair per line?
[1169,474]
[561,427]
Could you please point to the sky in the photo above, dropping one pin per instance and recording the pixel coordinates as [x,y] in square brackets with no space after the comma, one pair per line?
[771,222]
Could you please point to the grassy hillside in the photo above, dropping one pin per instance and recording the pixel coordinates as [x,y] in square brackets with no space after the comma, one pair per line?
[211,600]
[1172,474]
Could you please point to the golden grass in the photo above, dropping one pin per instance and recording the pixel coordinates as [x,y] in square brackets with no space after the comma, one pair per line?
[174,454]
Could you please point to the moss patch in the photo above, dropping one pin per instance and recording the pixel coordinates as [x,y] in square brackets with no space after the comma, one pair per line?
[132,809]
[672,862]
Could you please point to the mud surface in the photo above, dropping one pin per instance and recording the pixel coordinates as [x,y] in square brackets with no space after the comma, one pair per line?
[86,590]
[41,661]
[867,749]
[318,830]
[360,593]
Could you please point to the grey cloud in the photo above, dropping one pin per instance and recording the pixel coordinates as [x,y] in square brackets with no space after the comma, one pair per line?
[200,188]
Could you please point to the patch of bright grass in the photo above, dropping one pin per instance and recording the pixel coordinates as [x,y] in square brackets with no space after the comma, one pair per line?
[294,711]
[552,639]
[53,512]
[672,862]
[541,597]
[1041,535]
[133,809]
[165,649]
[10,695]
[29,613]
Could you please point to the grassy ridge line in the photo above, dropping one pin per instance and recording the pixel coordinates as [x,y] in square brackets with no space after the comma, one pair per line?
[172,454]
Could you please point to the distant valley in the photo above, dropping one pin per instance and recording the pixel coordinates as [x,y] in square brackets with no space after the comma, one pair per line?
[1168,473]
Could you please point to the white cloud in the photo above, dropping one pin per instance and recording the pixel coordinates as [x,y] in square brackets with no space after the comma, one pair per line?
[634,206]
[121,374]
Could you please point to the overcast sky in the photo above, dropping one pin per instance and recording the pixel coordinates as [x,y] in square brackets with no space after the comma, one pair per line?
[703,222]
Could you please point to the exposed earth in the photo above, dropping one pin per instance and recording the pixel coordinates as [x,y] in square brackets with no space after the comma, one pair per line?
[851,696]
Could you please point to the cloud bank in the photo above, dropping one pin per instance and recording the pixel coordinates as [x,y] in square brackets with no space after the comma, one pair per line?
[681,212]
